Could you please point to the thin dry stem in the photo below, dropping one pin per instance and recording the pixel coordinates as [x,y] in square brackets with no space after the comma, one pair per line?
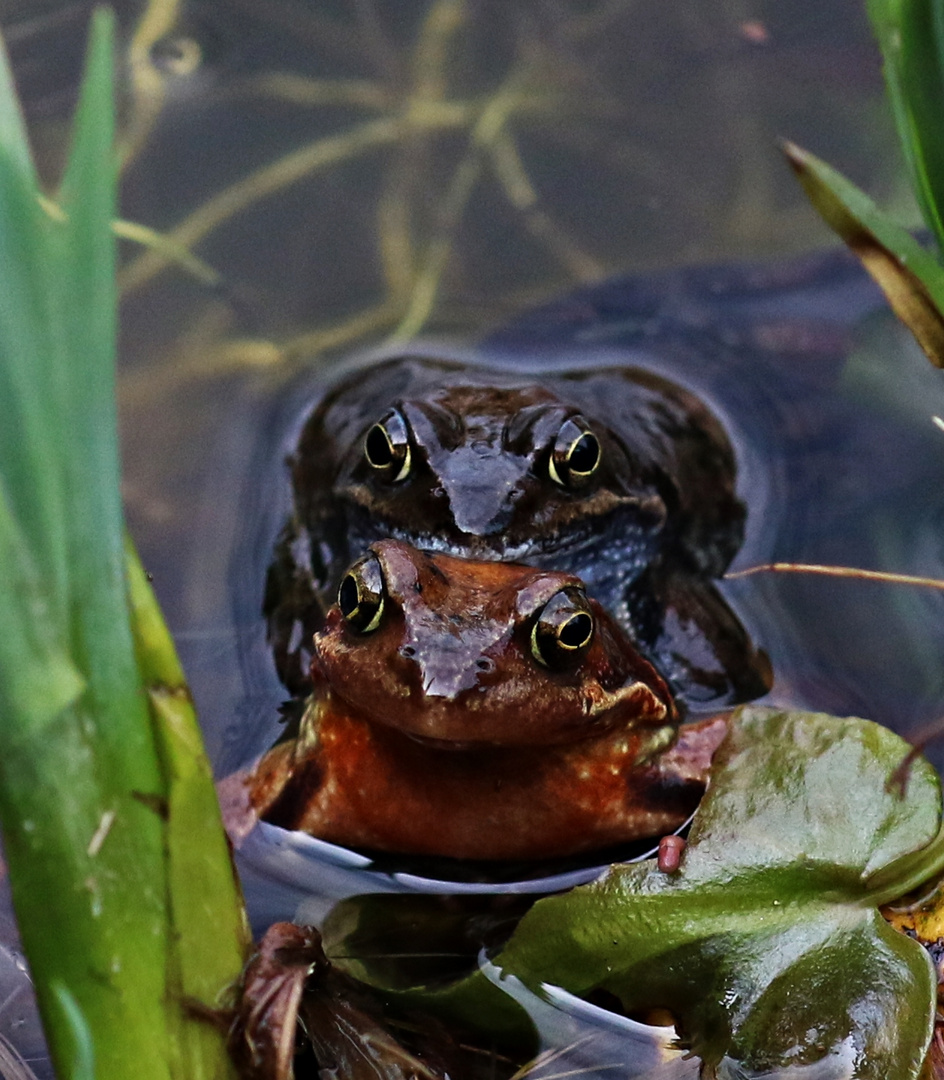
[310,93]
[175,254]
[374,320]
[837,571]
[486,131]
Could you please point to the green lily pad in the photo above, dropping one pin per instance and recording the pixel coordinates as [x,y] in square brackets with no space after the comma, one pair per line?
[767,945]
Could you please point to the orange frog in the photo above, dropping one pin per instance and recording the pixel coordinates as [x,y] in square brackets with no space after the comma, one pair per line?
[479,710]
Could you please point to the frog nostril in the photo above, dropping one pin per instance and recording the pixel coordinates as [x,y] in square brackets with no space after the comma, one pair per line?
[409,651]
[485,665]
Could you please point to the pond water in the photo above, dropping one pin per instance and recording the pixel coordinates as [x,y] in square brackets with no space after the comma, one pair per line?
[357,174]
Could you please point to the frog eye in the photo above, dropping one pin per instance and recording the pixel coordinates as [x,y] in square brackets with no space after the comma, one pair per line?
[387,447]
[576,454]
[563,630]
[361,595]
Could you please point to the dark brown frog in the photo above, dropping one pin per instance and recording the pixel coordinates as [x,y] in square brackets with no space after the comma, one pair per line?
[615,475]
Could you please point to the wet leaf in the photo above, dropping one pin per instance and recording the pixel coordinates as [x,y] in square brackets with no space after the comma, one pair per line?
[767,944]
[909,275]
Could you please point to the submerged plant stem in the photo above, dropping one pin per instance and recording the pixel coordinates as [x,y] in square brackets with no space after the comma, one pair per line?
[147,81]
[487,131]
[258,185]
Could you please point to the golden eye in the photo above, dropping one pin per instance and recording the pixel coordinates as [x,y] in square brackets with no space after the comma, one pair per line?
[576,454]
[361,595]
[563,630]
[387,447]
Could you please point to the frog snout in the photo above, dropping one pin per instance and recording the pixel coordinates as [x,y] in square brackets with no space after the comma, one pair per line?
[479,481]
[447,669]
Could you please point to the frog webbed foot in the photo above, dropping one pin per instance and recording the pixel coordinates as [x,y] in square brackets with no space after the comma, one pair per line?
[292,609]
[698,643]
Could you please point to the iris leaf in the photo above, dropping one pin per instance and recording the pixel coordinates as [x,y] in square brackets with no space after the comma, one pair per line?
[909,275]
[119,870]
[911,36]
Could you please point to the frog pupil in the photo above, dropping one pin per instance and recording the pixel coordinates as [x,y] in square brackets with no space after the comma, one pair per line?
[361,595]
[576,632]
[378,447]
[348,596]
[584,454]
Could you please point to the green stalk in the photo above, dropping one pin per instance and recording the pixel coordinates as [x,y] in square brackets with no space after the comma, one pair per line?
[911,36]
[85,852]
[210,934]
[121,879]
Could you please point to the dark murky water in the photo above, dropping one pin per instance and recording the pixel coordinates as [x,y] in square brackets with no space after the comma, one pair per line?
[362,172]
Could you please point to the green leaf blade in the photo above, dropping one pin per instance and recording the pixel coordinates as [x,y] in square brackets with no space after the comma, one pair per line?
[119,868]
[85,853]
[85,350]
[911,36]
[38,679]
[33,483]
[909,275]
[210,937]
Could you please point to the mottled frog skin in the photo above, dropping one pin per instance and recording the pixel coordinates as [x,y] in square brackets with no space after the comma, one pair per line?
[481,710]
[615,475]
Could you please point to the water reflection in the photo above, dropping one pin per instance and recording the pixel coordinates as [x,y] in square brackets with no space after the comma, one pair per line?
[580,1038]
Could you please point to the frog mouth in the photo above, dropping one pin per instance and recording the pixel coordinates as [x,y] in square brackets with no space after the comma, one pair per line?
[637,521]
[449,746]
[634,709]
